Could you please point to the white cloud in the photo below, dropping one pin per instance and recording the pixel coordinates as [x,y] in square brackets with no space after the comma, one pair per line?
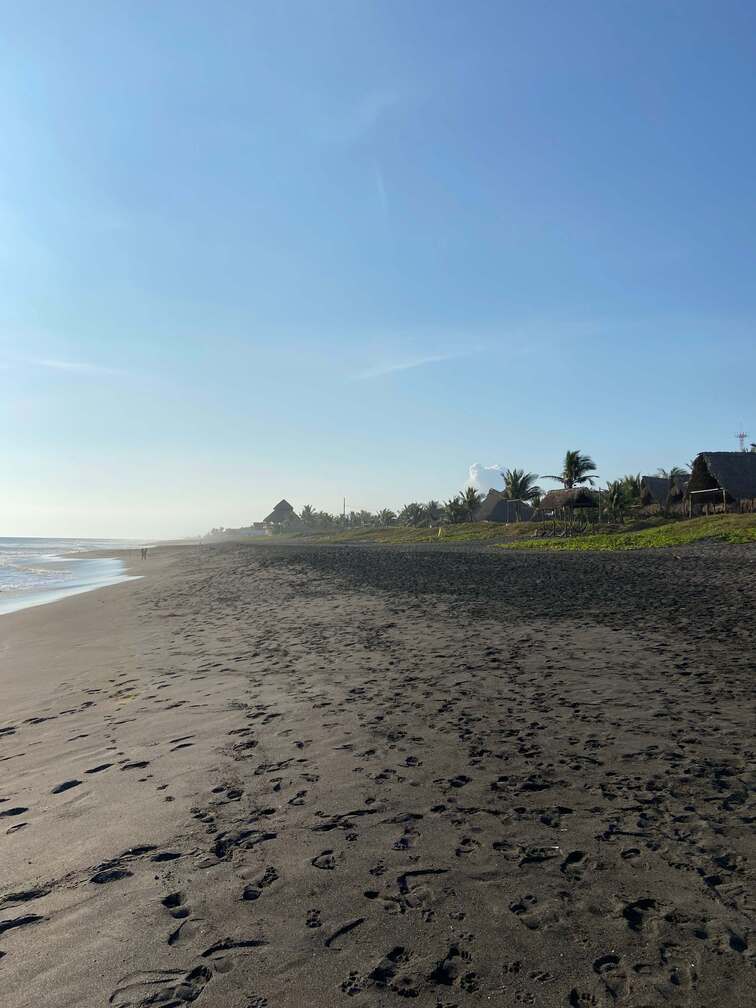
[485,478]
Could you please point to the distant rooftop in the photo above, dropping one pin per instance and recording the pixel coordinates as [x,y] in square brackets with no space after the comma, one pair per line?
[282,512]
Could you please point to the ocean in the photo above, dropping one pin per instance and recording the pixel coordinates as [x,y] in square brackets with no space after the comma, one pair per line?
[36,571]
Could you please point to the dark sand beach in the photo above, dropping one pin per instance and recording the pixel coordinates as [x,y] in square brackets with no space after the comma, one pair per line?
[284,776]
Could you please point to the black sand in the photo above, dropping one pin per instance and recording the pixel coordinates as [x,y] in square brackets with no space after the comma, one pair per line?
[289,776]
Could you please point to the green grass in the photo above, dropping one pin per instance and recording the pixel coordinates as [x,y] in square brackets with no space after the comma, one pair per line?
[646,533]
[403,535]
[733,528]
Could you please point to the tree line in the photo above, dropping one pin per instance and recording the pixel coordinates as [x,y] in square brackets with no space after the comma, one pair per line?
[578,470]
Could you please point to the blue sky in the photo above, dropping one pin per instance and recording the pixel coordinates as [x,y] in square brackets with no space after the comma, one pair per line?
[310,250]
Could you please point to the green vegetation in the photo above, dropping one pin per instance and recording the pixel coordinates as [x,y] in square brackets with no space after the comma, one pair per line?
[403,534]
[650,533]
[655,532]
[576,470]
[732,528]
[676,472]
[521,485]
[623,524]
[470,500]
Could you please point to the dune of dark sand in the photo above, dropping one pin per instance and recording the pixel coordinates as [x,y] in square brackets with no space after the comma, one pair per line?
[279,776]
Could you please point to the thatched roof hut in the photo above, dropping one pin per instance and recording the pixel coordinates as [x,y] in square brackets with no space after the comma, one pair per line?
[568,500]
[659,491]
[731,472]
[282,513]
[497,507]
[654,490]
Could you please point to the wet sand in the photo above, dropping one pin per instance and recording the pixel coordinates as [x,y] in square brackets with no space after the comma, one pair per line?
[273,776]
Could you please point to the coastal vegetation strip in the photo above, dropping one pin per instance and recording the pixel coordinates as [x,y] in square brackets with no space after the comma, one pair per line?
[406,534]
[655,532]
[729,528]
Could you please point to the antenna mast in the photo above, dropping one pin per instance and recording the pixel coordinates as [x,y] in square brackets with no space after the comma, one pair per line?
[741,436]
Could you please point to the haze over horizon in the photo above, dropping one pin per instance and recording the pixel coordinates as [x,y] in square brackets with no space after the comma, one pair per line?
[306,251]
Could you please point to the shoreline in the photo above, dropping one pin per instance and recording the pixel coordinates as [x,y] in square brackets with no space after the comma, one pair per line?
[337,776]
[88,571]
[127,557]
[33,599]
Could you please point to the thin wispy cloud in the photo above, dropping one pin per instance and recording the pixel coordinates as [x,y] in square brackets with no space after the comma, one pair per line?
[74,367]
[407,365]
[359,121]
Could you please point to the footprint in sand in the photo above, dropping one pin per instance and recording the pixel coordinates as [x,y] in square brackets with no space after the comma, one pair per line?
[17,922]
[612,974]
[65,786]
[325,861]
[640,913]
[26,896]
[175,904]
[160,987]
[574,864]
[166,856]
[99,768]
[110,875]
[253,890]
[184,932]
[534,913]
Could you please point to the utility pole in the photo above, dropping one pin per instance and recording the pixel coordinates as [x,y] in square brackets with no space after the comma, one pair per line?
[741,436]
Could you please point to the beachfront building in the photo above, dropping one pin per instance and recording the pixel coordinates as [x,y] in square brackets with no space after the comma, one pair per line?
[722,481]
[658,493]
[497,507]
[560,503]
[282,514]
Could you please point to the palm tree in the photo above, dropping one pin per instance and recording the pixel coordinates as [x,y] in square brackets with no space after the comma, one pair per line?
[432,512]
[631,488]
[411,514]
[670,474]
[520,485]
[308,515]
[576,470]
[615,498]
[471,501]
[455,511]
[386,517]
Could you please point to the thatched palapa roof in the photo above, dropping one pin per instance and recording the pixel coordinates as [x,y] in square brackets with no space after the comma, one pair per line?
[497,507]
[282,512]
[733,472]
[659,490]
[679,487]
[654,490]
[568,500]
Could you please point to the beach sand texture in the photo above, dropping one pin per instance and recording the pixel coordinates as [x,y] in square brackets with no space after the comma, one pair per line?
[268,777]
